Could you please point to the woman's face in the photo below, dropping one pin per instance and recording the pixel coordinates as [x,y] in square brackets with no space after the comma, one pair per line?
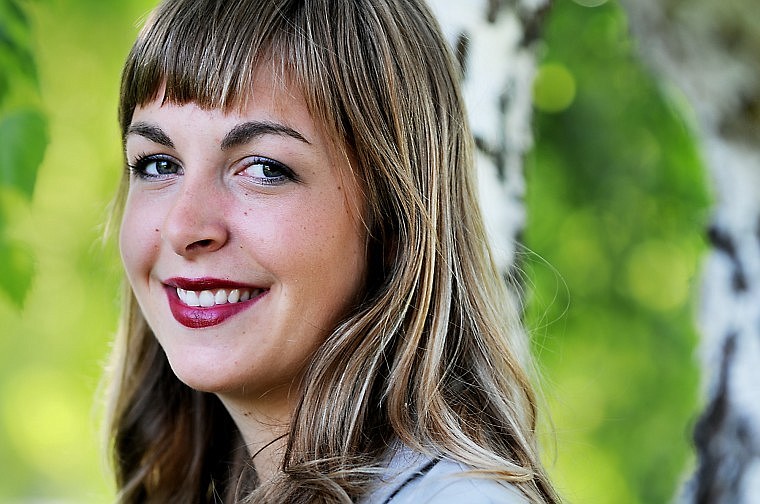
[240,237]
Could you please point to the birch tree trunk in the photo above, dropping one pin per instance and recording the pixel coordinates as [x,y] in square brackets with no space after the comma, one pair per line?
[710,50]
[494,42]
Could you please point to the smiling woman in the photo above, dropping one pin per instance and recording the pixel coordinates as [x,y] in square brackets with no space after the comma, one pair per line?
[313,314]
[246,207]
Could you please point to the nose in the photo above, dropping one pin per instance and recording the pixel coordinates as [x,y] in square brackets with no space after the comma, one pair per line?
[196,223]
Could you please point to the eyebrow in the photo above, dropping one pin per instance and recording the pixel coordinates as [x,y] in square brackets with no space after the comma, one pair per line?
[151,132]
[239,135]
[247,131]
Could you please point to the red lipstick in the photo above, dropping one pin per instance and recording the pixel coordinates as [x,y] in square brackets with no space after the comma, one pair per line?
[188,312]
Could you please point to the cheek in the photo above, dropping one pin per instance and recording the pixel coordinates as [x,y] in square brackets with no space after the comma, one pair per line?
[315,242]
[331,254]
[138,236]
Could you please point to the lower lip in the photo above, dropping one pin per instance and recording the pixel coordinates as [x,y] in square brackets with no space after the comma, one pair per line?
[197,317]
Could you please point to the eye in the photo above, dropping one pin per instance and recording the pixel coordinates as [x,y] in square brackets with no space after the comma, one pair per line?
[267,171]
[155,166]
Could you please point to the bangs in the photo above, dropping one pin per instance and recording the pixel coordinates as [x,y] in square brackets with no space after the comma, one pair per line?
[206,52]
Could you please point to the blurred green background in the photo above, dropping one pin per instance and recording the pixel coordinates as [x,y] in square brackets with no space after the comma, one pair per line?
[616,203]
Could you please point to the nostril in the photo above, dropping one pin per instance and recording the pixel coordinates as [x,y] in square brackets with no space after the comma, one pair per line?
[200,244]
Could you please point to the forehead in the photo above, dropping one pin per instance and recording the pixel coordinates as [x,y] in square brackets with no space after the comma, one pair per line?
[270,99]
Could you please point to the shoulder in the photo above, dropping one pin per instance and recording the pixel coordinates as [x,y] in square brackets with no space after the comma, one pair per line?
[412,478]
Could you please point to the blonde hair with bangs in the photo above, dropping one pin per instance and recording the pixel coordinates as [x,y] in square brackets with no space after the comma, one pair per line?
[433,356]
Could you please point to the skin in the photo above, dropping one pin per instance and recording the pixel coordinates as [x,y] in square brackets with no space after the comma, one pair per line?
[200,206]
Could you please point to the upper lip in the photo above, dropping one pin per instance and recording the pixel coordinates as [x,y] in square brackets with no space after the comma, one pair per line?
[206,283]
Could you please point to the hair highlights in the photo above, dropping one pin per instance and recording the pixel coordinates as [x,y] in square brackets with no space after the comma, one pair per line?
[433,355]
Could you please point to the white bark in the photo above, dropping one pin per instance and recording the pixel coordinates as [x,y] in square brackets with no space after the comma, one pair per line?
[711,51]
[493,40]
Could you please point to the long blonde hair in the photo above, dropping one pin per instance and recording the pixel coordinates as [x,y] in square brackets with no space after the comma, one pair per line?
[432,356]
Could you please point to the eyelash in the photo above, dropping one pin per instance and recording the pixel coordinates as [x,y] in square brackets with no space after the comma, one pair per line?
[139,166]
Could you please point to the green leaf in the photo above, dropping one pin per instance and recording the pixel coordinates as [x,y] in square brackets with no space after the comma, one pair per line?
[4,85]
[12,17]
[23,137]
[16,269]
[16,56]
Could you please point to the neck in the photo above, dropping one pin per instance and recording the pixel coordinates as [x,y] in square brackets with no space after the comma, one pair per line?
[264,424]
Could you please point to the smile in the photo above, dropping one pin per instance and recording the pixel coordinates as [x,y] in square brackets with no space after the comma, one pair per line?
[209,298]
[204,303]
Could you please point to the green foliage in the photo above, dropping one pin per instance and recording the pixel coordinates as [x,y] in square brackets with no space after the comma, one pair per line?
[15,45]
[23,138]
[16,268]
[53,348]
[616,202]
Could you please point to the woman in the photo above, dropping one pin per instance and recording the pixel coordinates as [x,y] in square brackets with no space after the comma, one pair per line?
[312,312]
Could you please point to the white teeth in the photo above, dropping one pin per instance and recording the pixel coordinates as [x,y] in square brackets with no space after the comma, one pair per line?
[234,296]
[220,297]
[192,299]
[207,298]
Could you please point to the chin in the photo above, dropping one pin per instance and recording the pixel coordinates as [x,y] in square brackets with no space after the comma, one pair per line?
[205,376]
[201,377]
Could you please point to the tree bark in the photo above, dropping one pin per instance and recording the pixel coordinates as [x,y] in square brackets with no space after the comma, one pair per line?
[710,51]
[494,43]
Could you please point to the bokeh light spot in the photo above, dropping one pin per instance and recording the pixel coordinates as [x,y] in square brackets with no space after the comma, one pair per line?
[554,88]
[658,275]
[590,3]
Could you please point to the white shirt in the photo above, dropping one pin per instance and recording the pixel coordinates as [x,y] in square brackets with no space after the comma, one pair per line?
[412,478]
